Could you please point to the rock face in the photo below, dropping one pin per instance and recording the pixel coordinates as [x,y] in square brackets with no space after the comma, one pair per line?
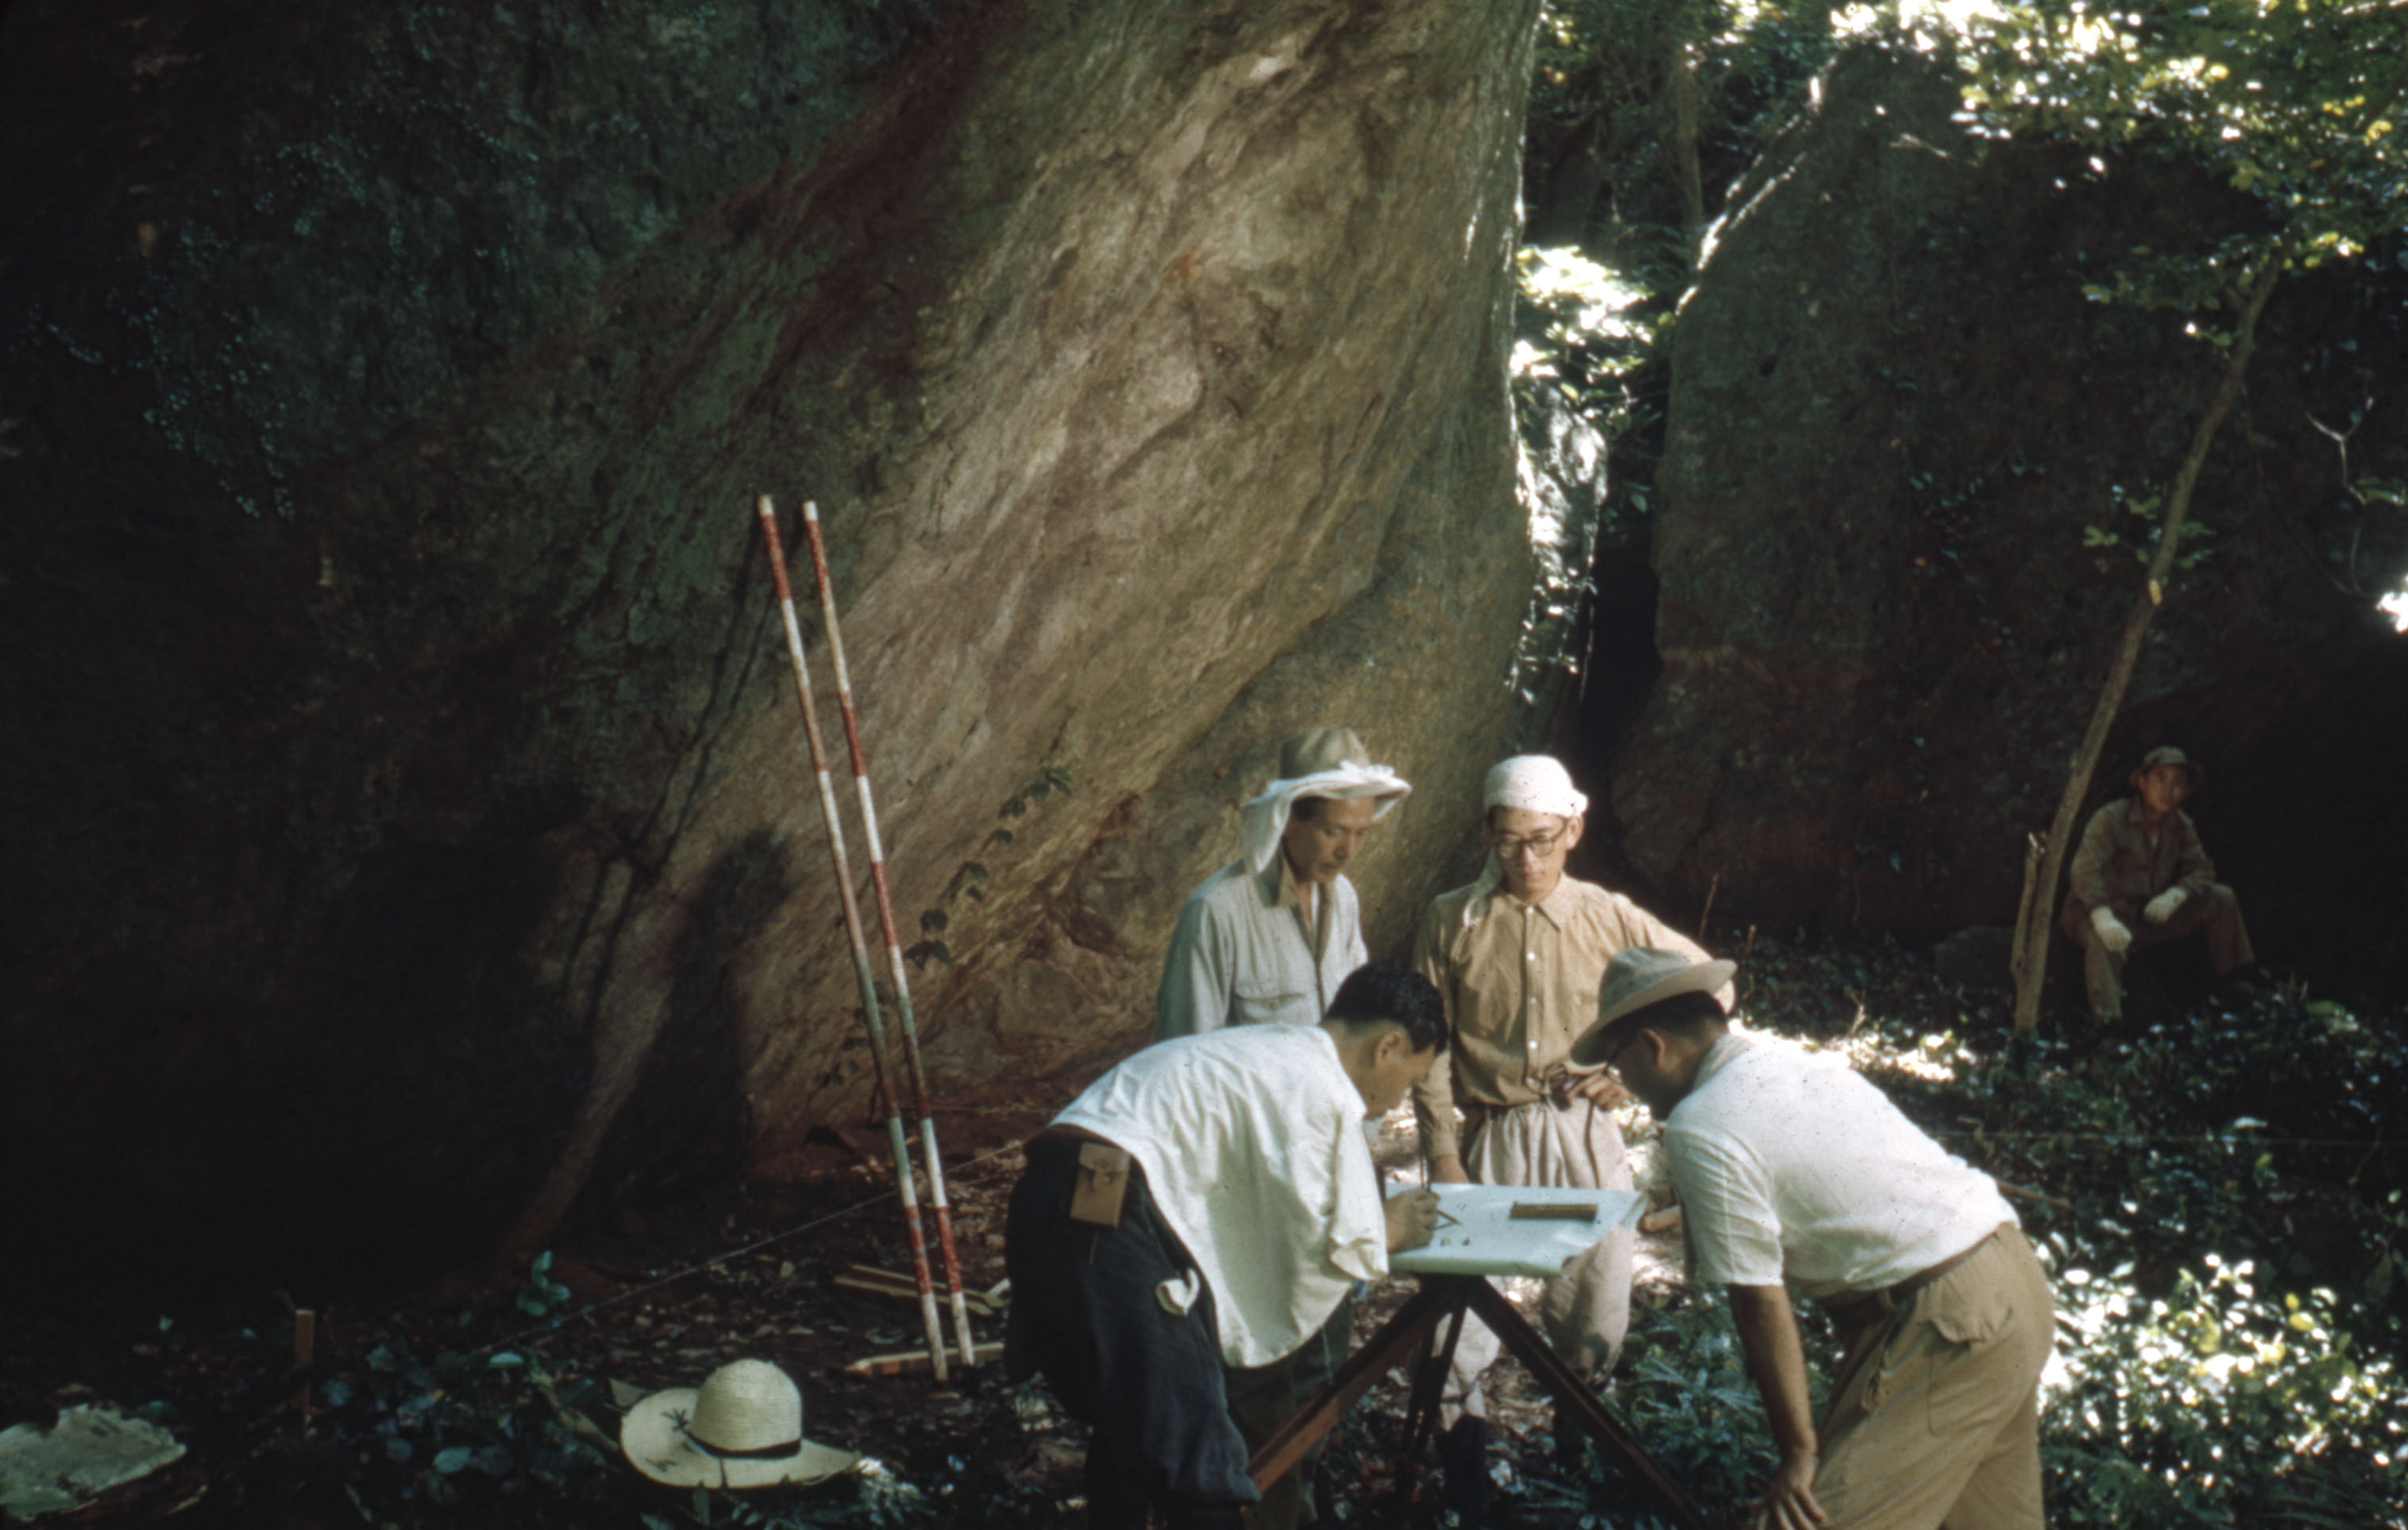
[408,821]
[1893,417]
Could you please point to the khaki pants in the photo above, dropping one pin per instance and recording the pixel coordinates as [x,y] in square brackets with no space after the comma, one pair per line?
[1584,1313]
[1935,1417]
[2215,911]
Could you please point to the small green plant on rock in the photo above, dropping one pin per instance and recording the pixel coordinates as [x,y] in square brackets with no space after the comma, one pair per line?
[969,879]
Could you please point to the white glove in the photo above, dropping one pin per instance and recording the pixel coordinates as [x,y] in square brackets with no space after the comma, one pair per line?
[2112,933]
[2162,907]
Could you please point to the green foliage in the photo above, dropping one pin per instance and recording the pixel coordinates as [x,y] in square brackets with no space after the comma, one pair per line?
[2218,1405]
[1585,330]
[2296,103]
[1682,1388]
[455,1435]
[872,1496]
[2140,539]
[543,1295]
[2213,1367]
[969,879]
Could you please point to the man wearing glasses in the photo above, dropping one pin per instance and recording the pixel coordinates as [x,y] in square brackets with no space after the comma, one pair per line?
[1518,956]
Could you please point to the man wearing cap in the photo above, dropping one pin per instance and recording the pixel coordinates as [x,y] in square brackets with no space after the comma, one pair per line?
[1270,936]
[1794,1172]
[1186,1227]
[1517,955]
[2142,878]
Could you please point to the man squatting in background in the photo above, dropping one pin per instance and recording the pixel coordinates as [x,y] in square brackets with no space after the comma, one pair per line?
[1793,1169]
[1187,1225]
[1272,934]
[1518,956]
[2142,877]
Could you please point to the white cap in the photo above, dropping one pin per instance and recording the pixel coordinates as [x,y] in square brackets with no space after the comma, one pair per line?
[1536,783]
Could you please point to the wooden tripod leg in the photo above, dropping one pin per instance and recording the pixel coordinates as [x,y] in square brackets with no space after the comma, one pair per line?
[1397,1339]
[1571,1395]
[1430,1373]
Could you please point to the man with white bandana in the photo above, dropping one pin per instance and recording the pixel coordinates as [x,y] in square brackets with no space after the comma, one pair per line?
[1270,936]
[1518,956]
[1269,939]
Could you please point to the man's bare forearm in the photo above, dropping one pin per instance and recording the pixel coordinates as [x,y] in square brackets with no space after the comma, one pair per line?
[1768,1331]
[1776,1358]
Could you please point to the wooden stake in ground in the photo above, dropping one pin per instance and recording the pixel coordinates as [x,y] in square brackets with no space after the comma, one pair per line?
[2034,916]
[887,1098]
[894,940]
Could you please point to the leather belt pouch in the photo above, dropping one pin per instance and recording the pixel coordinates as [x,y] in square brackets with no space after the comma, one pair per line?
[1103,1183]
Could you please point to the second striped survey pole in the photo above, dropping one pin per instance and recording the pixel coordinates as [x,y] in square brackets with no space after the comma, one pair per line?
[887,1096]
[894,940]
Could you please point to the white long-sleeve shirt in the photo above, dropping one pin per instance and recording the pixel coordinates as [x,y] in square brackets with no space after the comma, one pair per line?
[1242,953]
[1252,1143]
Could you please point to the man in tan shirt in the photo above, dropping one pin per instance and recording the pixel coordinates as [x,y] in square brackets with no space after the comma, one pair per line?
[2142,878]
[1518,956]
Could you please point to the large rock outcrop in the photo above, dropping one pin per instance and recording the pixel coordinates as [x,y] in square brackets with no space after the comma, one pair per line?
[1894,414]
[408,821]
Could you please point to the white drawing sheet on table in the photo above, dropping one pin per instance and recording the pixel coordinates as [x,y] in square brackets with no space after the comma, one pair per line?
[1485,1238]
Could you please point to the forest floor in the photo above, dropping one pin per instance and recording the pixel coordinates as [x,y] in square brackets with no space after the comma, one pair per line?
[421,1409]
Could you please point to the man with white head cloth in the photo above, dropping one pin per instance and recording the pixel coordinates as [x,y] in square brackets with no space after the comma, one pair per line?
[1270,936]
[1266,940]
[1518,956]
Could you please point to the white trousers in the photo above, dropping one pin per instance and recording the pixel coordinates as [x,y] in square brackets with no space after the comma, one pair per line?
[1584,1312]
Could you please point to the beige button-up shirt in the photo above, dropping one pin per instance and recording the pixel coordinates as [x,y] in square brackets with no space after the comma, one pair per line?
[2122,865]
[1520,982]
[1245,955]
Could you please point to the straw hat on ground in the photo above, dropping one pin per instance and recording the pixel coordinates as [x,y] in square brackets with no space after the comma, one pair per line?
[741,1428]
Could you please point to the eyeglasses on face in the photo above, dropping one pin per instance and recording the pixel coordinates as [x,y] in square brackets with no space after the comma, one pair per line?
[1540,845]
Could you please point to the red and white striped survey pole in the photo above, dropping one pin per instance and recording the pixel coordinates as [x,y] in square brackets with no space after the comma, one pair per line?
[887,1097]
[894,940]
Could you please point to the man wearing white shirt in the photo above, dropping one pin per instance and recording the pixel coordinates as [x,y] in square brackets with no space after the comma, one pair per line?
[1189,1223]
[1792,1170]
[1268,937]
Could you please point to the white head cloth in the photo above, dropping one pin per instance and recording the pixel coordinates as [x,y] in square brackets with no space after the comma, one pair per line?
[1536,783]
[1319,763]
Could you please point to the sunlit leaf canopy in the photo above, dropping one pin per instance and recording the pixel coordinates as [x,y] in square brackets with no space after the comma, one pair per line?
[2296,102]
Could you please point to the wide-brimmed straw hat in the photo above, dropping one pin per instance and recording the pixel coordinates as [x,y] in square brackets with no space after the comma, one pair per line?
[1316,763]
[1636,978]
[741,1428]
[2168,755]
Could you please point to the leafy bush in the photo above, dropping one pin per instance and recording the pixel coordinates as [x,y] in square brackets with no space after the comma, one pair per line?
[2211,1369]
[1683,1390]
[2218,1405]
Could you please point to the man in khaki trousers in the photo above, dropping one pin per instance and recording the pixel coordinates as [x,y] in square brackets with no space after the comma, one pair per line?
[2142,878]
[1795,1172]
[1518,955]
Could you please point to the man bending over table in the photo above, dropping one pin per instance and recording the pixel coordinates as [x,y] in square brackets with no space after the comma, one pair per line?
[1792,1170]
[1186,1224]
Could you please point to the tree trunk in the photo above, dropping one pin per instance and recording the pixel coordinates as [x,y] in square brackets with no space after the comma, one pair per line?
[2035,919]
[1682,67]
